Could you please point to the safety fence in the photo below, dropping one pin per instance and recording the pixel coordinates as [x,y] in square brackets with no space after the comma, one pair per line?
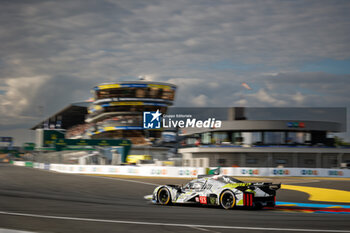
[305,172]
[186,172]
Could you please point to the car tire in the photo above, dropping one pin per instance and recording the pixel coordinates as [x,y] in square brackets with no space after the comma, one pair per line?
[227,200]
[164,196]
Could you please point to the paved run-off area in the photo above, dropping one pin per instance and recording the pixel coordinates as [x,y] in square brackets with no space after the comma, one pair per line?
[42,201]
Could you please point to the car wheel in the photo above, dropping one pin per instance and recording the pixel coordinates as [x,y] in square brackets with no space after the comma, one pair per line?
[227,200]
[164,197]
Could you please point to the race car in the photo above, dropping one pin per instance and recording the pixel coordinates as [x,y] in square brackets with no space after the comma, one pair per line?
[218,190]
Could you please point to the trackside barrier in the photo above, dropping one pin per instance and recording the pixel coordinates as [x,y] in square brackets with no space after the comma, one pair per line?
[187,172]
[19,163]
[29,164]
[305,172]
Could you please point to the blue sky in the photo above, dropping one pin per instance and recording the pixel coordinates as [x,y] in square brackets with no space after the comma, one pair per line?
[292,53]
[328,66]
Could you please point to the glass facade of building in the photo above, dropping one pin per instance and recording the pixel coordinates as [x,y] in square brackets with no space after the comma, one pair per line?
[255,138]
[137,92]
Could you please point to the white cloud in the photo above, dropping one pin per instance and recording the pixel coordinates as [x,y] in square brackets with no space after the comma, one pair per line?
[298,98]
[78,44]
[199,101]
[310,89]
[267,98]
[241,103]
[18,97]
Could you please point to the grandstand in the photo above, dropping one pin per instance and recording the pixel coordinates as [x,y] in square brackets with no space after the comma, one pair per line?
[70,116]
[116,112]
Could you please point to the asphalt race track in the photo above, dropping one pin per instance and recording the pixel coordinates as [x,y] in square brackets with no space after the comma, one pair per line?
[42,201]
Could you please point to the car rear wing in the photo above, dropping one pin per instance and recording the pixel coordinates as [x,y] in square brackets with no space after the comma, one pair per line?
[266,187]
[275,186]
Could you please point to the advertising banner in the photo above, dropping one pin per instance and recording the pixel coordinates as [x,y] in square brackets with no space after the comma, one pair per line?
[155,171]
[186,172]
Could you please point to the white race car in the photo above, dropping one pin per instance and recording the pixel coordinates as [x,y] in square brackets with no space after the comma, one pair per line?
[218,190]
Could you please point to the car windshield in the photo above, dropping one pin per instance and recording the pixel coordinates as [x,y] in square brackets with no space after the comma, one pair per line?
[226,179]
[195,184]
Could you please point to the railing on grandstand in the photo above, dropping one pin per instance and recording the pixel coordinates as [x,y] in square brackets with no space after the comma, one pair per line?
[262,146]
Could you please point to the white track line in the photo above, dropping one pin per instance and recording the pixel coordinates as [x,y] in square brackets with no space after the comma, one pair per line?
[102,177]
[169,224]
[120,179]
[201,229]
[3,230]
